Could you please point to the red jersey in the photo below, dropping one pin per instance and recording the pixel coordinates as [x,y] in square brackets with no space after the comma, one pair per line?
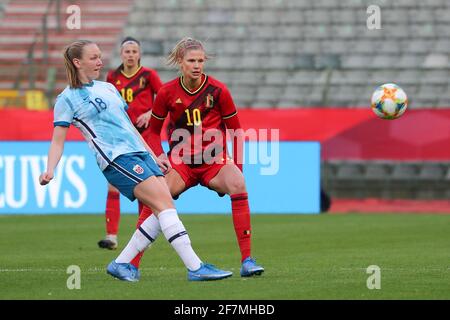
[137,89]
[209,107]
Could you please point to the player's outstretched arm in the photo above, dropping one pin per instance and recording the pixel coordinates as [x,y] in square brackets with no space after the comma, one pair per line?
[159,114]
[54,154]
[231,120]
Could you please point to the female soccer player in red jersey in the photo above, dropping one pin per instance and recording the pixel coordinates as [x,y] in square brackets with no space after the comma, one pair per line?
[138,86]
[201,106]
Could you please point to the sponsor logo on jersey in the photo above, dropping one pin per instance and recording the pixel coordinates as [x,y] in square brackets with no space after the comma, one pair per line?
[118,82]
[178,101]
[138,169]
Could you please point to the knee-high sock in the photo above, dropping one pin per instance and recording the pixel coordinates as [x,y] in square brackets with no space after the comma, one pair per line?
[241,222]
[112,212]
[144,214]
[176,234]
[141,239]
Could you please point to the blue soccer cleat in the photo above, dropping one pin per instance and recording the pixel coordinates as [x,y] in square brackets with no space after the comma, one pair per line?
[208,272]
[123,271]
[250,268]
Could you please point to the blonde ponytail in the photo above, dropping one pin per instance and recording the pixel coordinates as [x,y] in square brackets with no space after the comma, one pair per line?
[74,51]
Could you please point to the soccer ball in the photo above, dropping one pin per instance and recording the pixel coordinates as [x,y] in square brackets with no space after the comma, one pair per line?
[389,101]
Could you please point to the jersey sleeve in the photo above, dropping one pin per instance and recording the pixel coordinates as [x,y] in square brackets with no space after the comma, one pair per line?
[226,104]
[160,109]
[155,81]
[62,112]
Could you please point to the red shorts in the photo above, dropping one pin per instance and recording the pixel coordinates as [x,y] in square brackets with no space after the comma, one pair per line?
[195,174]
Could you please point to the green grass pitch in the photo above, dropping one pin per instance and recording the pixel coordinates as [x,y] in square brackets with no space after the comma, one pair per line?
[305,256]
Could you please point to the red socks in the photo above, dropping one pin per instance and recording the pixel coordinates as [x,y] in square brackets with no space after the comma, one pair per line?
[241,221]
[112,212]
[140,207]
[143,215]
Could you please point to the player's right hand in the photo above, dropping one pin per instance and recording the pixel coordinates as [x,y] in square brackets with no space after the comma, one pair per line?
[45,178]
[143,120]
[164,163]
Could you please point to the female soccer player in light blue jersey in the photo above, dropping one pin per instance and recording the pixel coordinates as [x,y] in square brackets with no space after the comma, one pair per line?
[98,110]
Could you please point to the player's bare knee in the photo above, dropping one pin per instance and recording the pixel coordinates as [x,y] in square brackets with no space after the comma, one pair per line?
[176,186]
[175,190]
[237,186]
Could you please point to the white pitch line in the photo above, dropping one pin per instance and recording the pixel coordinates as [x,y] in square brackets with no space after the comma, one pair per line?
[90,270]
[152,269]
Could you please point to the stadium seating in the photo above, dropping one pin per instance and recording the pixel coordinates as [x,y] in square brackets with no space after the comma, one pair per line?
[298,40]
[23,64]
[3,4]
[386,179]
[307,53]
[290,36]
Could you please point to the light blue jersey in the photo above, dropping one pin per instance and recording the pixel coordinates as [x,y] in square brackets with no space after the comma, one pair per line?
[99,111]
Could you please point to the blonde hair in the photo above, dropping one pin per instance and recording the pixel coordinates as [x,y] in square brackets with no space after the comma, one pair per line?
[74,51]
[180,49]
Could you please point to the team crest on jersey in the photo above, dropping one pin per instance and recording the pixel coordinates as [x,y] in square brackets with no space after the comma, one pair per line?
[141,82]
[209,101]
[138,169]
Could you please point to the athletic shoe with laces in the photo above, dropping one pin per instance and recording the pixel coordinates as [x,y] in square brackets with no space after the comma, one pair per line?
[208,272]
[123,271]
[250,268]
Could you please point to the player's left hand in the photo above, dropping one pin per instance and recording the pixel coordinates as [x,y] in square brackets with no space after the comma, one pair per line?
[143,120]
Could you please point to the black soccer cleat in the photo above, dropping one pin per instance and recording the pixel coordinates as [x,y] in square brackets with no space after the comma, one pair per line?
[107,244]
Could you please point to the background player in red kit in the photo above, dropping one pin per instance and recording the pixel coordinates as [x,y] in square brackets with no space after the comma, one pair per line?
[197,103]
[138,86]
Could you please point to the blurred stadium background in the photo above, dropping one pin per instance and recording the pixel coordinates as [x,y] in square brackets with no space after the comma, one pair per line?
[317,57]
[307,67]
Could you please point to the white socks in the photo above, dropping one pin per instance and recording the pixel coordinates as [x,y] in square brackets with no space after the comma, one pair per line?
[142,238]
[176,234]
[112,237]
[173,230]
